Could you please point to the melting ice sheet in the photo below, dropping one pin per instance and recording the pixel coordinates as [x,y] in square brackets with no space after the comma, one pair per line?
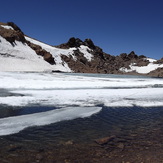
[64,91]
[15,124]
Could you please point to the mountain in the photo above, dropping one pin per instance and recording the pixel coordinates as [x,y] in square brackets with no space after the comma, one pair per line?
[19,52]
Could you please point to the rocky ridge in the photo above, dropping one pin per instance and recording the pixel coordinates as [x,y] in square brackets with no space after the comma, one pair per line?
[85,56]
[101,62]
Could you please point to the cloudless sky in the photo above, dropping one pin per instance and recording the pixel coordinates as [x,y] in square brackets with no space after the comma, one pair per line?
[117,26]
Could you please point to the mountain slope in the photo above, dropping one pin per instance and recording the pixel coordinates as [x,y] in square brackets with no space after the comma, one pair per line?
[19,52]
[17,55]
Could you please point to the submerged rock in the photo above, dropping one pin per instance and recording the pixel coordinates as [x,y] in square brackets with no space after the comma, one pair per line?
[104,140]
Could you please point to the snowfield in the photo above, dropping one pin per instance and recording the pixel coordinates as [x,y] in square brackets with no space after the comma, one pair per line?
[20,58]
[76,95]
[143,69]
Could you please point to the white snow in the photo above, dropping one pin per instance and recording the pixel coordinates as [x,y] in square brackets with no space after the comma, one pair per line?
[84,50]
[151,60]
[20,58]
[15,124]
[64,90]
[142,69]
[6,27]
[39,81]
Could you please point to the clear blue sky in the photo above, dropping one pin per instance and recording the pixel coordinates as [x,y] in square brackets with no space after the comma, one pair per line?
[116,26]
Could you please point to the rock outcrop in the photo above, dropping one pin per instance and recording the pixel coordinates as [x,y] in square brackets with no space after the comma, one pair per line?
[156,73]
[159,61]
[15,33]
[101,62]
[76,42]
[11,35]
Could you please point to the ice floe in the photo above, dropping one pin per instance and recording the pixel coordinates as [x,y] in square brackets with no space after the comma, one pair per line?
[15,124]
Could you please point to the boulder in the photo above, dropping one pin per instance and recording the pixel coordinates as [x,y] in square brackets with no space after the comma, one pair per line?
[49,58]
[104,140]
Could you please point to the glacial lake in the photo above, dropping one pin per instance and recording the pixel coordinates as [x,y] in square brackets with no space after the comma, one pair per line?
[48,117]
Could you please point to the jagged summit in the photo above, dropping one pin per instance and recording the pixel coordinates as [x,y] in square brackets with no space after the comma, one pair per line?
[76,42]
[19,52]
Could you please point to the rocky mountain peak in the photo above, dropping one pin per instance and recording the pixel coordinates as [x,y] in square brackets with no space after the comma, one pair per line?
[12,34]
[74,42]
[14,26]
[89,43]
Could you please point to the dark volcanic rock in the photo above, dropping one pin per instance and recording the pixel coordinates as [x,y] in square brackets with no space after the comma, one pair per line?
[72,42]
[124,60]
[132,55]
[15,27]
[49,58]
[89,43]
[159,61]
[156,73]
[12,35]
[101,62]
[76,42]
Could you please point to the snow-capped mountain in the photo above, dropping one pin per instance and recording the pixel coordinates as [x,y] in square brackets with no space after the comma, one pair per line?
[19,52]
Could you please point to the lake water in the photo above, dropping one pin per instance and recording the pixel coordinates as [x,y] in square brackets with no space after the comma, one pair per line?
[80,118]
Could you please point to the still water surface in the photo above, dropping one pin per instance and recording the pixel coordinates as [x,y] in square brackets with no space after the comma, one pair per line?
[136,130]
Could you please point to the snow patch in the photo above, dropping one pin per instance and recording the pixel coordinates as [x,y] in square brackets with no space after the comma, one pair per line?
[84,49]
[6,27]
[142,69]
[151,60]
[20,58]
